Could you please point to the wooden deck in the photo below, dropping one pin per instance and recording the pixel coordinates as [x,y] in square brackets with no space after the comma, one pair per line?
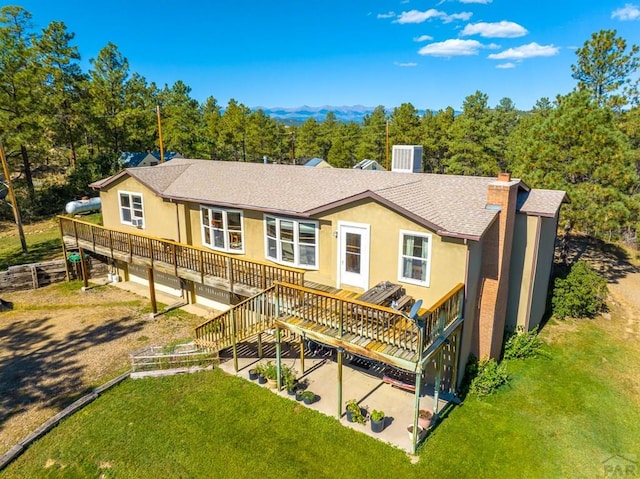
[375,332]
[199,265]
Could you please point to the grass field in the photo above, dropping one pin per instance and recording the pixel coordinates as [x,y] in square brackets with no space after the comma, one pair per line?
[561,416]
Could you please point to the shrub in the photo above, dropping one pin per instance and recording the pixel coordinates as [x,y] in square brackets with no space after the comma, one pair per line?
[489,378]
[581,294]
[521,344]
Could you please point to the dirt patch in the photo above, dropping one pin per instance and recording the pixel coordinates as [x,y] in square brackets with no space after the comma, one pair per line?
[59,343]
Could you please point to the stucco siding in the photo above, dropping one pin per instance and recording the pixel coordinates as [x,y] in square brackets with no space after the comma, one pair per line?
[160,219]
[543,270]
[522,263]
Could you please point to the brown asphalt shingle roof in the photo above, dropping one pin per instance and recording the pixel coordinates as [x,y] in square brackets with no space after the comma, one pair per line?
[451,205]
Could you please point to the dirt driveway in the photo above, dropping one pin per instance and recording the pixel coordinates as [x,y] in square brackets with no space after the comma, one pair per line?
[59,342]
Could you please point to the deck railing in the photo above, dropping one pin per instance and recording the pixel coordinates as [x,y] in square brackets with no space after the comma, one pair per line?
[443,313]
[347,318]
[344,319]
[178,256]
[245,319]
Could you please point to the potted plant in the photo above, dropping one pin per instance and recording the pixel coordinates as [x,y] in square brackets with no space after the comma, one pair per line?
[377,420]
[260,368]
[254,373]
[299,393]
[289,379]
[425,417]
[354,412]
[270,372]
[308,397]
[410,431]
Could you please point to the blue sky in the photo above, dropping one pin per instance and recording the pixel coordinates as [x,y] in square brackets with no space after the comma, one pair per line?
[380,52]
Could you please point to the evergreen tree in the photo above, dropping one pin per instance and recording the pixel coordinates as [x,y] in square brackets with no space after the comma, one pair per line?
[373,139]
[605,68]
[473,146]
[578,147]
[65,88]
[20,91]
[180,119]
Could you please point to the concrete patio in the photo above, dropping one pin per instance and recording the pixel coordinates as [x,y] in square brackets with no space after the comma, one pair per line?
[321,377]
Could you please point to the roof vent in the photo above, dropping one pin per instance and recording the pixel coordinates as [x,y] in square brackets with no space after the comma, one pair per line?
[406,158]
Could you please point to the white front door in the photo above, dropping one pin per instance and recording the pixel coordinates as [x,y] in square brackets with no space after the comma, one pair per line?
[353,255]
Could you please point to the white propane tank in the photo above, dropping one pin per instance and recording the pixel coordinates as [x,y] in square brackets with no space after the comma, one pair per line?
[83,206]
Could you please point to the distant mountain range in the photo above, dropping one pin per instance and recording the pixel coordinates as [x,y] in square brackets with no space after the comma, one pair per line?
[298,115]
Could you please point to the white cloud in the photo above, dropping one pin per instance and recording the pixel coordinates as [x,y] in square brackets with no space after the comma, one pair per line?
[452,48]
[423,38]
[386,15]
[628,12]
[417,16]
[464,16]
[506,65]
[526,51]
[409,64]
[476,1]
[501,29]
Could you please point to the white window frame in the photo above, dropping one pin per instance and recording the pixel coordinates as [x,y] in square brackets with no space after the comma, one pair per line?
[296,242]
[401,257]
[225,229]
[133,216]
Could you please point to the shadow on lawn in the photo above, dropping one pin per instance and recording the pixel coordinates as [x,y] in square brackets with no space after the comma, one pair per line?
[39,367]
[610,260]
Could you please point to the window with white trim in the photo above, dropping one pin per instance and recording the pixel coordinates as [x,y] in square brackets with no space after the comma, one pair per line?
[131,211]
[222,229]
[291,242]
[415,258]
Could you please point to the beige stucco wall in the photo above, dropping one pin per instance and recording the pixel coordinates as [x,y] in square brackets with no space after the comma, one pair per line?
[160,218]
[543,270]
[531,263]
[522,263]
[469,342]
[448,255]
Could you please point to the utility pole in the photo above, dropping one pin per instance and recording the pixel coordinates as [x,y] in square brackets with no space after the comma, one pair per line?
[160,134]
[12,199]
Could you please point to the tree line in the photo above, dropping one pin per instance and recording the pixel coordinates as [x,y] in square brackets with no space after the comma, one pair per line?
[62,128]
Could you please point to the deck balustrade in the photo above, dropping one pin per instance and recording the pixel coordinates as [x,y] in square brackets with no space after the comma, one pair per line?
[186,261]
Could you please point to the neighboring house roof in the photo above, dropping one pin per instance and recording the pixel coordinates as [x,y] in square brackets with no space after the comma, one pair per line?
[368,165]
[317,162]
[450,205]
[130,159]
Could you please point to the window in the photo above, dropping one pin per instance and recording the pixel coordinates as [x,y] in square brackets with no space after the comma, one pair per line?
[222,229]
[415,258]
[131,212]
[291,242]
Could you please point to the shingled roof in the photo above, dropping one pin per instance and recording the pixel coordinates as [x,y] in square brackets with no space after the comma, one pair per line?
[450,205]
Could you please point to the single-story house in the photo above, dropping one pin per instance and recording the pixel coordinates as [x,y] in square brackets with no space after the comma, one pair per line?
[351,230]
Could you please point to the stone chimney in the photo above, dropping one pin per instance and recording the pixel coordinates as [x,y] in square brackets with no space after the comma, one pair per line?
[496,255]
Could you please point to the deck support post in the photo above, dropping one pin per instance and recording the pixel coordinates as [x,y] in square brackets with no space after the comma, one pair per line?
[259,344]
[66,260]
[340,355]
[416,411]
[278,359]
[436,387]
[234,344]
[301,354]
[152,291]
[83,266]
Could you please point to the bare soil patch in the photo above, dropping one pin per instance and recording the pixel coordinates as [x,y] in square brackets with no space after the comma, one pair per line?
[58,344]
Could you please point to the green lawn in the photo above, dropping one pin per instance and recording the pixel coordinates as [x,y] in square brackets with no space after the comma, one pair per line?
[561,415]
[43,241]
[42,245]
